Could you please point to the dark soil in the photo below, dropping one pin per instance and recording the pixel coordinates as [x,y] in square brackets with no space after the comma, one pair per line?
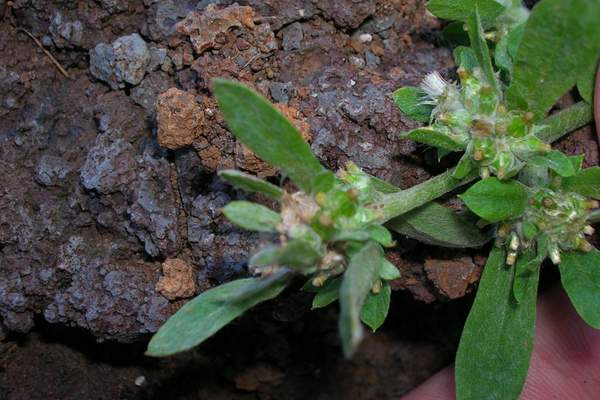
[91,205]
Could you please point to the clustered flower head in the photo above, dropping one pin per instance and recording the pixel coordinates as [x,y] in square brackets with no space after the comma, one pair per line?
[554,221]
[318,231]
[474,116]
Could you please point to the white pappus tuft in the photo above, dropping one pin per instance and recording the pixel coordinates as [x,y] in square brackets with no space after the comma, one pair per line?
[434,85]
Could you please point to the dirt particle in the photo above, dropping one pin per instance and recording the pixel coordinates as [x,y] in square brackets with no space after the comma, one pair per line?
[180,119]
[453,278]
[178,280]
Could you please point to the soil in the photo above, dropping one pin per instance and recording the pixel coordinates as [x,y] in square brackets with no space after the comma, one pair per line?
[109,201]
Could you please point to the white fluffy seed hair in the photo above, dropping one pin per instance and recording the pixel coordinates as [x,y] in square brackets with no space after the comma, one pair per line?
[434,85]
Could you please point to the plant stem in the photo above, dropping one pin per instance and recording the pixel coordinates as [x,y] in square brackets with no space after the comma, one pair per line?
[395,204]
[594,217]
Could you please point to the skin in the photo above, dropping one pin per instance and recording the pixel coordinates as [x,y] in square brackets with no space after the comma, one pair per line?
[597,102]
[565,363]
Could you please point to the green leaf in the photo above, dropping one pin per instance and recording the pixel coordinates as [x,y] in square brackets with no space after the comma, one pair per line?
[577,162]
[327,294]
[380,234]
[376,307]
[296,253]
[561,40]
[361,274]
[496,344]
[439,226]
[206,314]
[461,10]
[585,83]
[389,271]
[586,182]
[455,34]
[323,182]
[250,183]
[434,138]
[465,57]
[479,46]
[564,121]
[464,166]
[265,131]
[506,49]
[580,276]
[410,100]
[252,216]
[556,161]
[495,200]
[527,264]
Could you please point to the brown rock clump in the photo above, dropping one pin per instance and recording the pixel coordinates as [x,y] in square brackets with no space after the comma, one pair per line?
[453,278]
[177,281]
[179,117]
[203,28]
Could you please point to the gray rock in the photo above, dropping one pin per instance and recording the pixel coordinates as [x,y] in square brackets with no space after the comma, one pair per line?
[51,170]
[292,36]
[147,92]
[158,58]
[153,211]
[109,166]
[125,61]
[281,92]
[66,34]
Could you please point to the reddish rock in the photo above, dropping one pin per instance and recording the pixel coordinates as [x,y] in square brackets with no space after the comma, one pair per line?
[204,28]
[178,281]
[453,278]
[180,118]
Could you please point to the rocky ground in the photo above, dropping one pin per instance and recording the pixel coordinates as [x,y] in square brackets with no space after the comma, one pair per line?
[109,201]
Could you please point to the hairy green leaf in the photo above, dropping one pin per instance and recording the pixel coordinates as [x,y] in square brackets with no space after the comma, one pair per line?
[497,341]
[495,200]
[327,294]
[556,161]
[465,57]
[410,100]
[296,253]
[439,226]
[363,270]
[323,182]
[564,121]
[389,271]
[461,10]
[376,307]
[586,182]
[265,131]
[455,34]
[252,216]
[585,83]
[580,276]
[250,183]
[434,138]
[479,46]
[464,166]
[381,235]
[527,264]
[561,40]
[203,316]
[577,162]
[506,50]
